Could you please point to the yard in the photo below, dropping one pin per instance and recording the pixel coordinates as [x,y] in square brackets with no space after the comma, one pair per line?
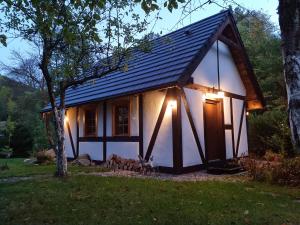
[83,199]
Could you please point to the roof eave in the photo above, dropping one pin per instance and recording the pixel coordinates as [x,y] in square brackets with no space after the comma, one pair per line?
[140,91]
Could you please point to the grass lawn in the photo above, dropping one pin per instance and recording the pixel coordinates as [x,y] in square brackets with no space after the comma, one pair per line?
[83,199]
[17,168]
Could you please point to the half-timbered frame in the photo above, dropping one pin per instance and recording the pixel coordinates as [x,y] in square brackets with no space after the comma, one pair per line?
[187,107]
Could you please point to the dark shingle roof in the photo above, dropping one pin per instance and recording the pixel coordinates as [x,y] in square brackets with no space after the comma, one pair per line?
[163,66]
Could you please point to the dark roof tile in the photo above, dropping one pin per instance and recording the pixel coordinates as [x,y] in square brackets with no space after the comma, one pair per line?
[170,55]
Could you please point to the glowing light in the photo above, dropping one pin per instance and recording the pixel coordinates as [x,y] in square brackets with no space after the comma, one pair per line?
[211,95]
[66,120]
[221,94]
[172,104]
[247,113]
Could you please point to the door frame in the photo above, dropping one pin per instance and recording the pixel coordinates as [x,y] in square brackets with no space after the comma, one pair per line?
[223,144]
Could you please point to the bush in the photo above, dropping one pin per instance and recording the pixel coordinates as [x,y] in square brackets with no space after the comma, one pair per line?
[279,171]
[270,131]
[5,152]
[21,141]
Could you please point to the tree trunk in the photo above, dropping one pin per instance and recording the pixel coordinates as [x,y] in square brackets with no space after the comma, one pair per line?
[289,21]
[61,159]
[59,114]
[48,131]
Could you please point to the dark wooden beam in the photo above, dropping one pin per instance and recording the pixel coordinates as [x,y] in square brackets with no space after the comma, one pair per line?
[229,42]
[232,131]
[209,89]
[228,126]
[90,139]
[110,139]
[123,139]
[240,129]
[177,130]
[141,126]
[157,126]
[194,130]
[104,112]
[71,139]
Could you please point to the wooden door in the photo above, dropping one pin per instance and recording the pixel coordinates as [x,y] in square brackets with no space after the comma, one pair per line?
[214,131]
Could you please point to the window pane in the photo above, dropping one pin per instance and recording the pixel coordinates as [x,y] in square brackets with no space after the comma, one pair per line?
[121,119]
[90,122]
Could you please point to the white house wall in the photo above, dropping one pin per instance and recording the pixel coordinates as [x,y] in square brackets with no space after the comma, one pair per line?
[206,73]
[227,110]
[163,148]
[237,106]
[190,151]
[71,114]
[128,150]
[228,144]
[93,149]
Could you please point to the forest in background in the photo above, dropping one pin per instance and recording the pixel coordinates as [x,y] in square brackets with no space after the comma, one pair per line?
[22,129]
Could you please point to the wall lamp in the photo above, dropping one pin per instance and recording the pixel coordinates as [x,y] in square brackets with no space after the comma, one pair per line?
[212,95]
[172,103]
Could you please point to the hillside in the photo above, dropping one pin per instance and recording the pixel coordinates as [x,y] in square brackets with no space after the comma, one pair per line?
[16,87]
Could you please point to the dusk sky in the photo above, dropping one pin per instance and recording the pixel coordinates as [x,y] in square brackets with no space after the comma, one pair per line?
[167,24]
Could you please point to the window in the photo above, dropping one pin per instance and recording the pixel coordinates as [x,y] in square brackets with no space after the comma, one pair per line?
[121,118]
[90,121]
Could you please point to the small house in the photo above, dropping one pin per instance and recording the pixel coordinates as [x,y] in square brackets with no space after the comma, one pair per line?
[184,103]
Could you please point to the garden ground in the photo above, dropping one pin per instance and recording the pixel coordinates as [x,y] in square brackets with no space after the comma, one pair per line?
[82,199]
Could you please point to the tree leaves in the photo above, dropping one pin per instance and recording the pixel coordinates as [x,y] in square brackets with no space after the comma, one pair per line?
[151,5]
[3,40]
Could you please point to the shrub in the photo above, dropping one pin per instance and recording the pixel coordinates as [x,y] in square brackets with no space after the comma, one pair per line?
[270,131]
[22,141]
[5,152]
[276,169]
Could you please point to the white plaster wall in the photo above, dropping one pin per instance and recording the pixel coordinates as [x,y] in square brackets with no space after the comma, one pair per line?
[237,106]
[163,148]
[94,149]
[190,151]
[195,101]
[129,150]
[228,144]
[227,110]
[134,118]
[206,73]
[71,114]
[228,133]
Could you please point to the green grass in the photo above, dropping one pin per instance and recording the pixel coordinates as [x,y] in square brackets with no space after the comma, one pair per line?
[17,168]
[84,199]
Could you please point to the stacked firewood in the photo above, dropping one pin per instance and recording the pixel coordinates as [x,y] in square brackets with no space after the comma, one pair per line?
[116,162]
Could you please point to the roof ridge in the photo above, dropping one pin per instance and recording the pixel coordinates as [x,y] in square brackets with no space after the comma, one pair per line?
[227,11]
